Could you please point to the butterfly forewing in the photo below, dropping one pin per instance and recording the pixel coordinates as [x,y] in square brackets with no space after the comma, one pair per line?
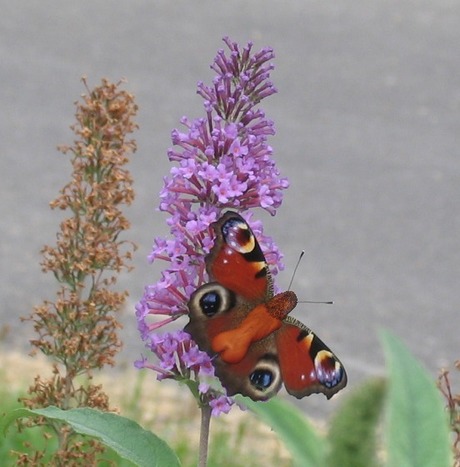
[307,364]
[236,261]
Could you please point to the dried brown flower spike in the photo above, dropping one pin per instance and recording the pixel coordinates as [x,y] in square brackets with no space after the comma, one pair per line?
[79,330]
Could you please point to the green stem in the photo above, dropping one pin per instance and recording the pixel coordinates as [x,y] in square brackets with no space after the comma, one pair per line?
[204,435]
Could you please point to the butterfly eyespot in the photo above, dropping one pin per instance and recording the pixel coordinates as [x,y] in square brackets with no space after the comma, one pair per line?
[330,373]
[239,237]
[265,379]
[210,303]
[211,299]
[261,379]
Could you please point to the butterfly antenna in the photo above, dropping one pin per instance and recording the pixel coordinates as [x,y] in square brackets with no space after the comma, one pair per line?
[292,279]
[296,267]
[322,303]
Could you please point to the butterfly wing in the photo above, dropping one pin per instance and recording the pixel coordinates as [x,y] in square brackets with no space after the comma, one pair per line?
[215,311]
[256,376]
[307,364]
[239,281]
[219,311]
[236,260]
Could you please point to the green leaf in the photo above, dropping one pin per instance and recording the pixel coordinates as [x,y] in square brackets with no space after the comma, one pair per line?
[353,430]
[299,436]
[123,435]
[416,425]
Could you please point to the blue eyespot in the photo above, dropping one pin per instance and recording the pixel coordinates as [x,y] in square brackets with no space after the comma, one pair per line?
[261,379]
[210,303]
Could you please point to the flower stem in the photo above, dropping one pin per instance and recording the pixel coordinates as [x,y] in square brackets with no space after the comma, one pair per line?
[204,435]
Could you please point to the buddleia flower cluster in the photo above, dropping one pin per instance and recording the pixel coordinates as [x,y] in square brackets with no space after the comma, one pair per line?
[221,160]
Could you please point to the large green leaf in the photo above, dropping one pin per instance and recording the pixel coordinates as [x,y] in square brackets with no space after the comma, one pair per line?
[416,425]
[123,435]
[353,429]
[299,436]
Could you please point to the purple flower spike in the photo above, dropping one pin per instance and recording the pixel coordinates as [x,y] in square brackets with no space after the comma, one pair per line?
[222,161]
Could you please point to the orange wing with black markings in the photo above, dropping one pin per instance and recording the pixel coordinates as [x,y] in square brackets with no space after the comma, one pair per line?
[307,364]
[237,262]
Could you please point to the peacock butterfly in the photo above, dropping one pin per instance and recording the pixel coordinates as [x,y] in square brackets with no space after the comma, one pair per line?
[237,320]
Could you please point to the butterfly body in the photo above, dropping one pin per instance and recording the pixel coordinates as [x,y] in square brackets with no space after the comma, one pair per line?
[237,319]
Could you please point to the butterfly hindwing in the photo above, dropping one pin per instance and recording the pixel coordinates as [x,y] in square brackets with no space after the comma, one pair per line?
[257,375]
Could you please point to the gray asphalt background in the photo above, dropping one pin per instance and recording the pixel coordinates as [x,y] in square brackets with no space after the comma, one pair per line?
[367,121]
